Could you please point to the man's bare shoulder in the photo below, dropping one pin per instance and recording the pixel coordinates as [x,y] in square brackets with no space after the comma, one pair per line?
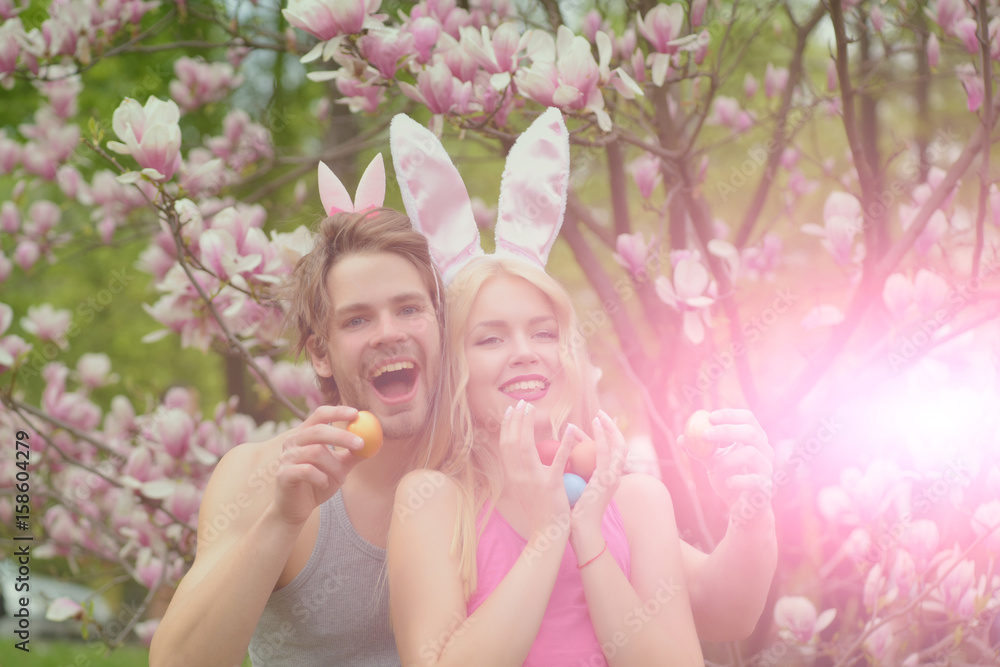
[243,479]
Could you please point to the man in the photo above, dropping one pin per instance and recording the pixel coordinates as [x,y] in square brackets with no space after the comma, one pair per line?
[366,308]
[292,534]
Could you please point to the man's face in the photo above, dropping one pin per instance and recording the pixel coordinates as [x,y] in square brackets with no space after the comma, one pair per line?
[384,340]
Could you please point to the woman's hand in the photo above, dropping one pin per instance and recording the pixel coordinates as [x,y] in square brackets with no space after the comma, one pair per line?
[538,487]
[611,451]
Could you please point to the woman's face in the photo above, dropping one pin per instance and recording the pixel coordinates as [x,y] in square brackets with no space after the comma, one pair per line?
[512,349]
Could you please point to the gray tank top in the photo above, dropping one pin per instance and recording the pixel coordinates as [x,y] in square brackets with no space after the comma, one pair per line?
[336,611]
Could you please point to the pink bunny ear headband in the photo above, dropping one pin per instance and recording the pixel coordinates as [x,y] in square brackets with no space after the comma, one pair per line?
[370,193]
[532,193]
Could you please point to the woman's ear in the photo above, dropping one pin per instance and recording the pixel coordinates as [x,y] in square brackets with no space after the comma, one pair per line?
[319,356]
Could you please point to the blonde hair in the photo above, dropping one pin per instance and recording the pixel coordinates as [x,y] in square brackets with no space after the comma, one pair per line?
[473,465]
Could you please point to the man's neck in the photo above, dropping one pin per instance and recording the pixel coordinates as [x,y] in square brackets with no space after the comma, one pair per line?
[370,489]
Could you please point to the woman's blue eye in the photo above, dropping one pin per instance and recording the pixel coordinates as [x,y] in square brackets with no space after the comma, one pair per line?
[355,321]
[410,310]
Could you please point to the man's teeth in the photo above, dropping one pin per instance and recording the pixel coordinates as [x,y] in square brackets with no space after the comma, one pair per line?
[525,385]
[398,366]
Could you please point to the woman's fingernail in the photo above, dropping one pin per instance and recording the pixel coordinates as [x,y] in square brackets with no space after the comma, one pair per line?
[520,404]
[510,408]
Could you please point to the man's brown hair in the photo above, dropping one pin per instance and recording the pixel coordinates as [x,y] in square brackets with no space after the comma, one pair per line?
[341,235]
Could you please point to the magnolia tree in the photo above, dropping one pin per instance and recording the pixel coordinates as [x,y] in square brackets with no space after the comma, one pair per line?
[787,206]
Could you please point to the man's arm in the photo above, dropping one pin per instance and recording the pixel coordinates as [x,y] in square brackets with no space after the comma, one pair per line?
[250,518]
[729,587]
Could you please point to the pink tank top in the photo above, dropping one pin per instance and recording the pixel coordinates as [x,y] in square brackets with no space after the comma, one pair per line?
[566,636]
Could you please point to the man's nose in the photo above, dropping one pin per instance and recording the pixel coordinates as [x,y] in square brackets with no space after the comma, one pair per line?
[388,331]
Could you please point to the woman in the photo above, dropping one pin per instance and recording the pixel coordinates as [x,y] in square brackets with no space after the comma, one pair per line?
[488,564]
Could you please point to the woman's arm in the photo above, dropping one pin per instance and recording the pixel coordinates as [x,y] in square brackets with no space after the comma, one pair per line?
[426,598]
[647,619]
[644,619]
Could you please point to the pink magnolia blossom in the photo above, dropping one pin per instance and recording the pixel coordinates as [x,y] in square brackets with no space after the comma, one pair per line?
[47,323]
[447,13]
[184,503]
[933,51]
[973,84]
[762,259]
[439,90]
[646,172]
[698,8]
[948,13]
[94,369]
[149,570]
[360,95]
[903,573]
[797,620]
[11,29]
[661,25]
[956,591]
[775,80]
[10,218]
[880,642]
[151,135]
[10,153]
[426,32]
[326,19]
[26,254]
[842,222]
[63,609]
[877,18]
[43,216]
[921,541]
[897,293]
[986,519]
[199,83]
[592,22]
[386,49]
[495,53]
[175,431]
[750,85]
[625,45]
[145,630]
[632,254]
[689,292]
[242,143]
[965,30]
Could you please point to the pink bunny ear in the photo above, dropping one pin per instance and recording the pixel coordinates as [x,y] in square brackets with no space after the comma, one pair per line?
[434,195]
[533,190]
[371,187]
[370,194]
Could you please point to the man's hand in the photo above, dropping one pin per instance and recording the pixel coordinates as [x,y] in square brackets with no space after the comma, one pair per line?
[744,462]
[311,470]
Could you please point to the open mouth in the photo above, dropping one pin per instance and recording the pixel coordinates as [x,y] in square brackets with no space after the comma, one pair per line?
[526,388]
[395,382]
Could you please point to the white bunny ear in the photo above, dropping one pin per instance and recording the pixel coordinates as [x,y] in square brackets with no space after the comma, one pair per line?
[534,189]
[434,195]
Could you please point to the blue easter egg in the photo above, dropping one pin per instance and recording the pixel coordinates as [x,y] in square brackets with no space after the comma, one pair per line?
[574,487]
